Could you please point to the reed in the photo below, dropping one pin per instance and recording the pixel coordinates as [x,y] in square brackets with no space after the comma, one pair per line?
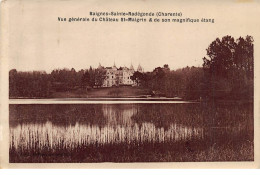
[39,136]
[130,133]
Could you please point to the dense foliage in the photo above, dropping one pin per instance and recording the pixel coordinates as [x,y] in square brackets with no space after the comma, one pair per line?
[229,68]
[227,73]
[41,84]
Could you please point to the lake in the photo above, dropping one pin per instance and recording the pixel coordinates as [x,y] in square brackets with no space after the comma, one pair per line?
[131,132]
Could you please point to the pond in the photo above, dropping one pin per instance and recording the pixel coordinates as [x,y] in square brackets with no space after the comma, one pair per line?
[131,132]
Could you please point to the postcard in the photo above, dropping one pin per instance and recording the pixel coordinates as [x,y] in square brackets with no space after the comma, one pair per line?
[129,84]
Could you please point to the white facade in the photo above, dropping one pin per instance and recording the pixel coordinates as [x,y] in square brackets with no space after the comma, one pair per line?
[119,76]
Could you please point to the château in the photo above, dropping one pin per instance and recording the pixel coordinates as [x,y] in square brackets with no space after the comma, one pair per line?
[120,76]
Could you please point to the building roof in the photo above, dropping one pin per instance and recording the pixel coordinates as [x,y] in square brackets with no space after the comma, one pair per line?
[125,68]
[132,67]
[139,68]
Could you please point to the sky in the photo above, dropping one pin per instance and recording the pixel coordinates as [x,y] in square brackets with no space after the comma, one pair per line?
[38,41]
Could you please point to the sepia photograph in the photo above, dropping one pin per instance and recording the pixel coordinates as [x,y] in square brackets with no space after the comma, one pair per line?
[202,113]
[128,84]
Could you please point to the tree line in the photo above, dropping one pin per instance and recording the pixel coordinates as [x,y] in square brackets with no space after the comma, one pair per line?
[227,73]
[186,83]
[40,84]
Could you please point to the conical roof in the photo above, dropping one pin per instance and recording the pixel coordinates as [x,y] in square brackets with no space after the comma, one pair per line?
[139,68]
[131,67]
[114,66]
[99,66]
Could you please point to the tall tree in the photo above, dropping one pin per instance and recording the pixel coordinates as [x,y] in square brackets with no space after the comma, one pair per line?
[230,67]
[100,75]
[86,80]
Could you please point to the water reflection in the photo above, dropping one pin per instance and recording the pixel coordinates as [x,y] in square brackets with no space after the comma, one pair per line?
[119,128]
[119,114]
[130,132]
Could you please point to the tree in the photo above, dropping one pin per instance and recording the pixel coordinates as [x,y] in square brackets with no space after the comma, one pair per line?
[221,56]
[86,80]
[13,92]
[244,57]
[138,77]
[100,75]
[166,68]
[229,67]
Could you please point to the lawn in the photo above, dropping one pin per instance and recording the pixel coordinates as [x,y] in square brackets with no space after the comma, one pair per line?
[111,92]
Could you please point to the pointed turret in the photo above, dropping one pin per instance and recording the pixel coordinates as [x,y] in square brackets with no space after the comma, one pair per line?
[131,67]
[140,69]
[99,66]
[114,66]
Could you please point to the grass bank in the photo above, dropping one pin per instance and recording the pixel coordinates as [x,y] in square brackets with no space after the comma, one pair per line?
[111,92]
